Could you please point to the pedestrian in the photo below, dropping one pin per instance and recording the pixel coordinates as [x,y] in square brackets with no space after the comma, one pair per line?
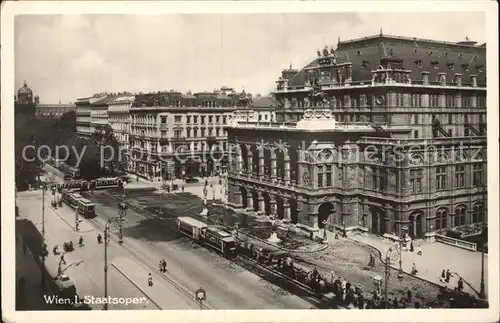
[408,296]
[460,284]
[62,259]
[150,280]
[80,241]
[419,252]
[448,275]
[160,266]
[411,246]
[332,276]
[164,265]
[443,276]
[336,236]
[99,238]
[182,188]
[414,270]
[54,250]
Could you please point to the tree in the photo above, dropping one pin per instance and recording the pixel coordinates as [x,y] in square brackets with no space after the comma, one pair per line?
[114,158]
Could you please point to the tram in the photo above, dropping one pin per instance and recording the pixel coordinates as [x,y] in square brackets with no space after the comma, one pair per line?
[211,236]
[103,183]
[190,227]
[219,240]
[86,208]
[73,199]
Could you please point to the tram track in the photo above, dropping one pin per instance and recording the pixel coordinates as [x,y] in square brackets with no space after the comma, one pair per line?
[277,278]
[177,285]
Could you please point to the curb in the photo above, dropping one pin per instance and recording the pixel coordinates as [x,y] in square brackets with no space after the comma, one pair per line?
[136,286]
[62,218]
[404,272]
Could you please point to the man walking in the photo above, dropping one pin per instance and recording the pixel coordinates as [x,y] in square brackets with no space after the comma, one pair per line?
[164,265]
[62,260]
[99,238]
[150,280]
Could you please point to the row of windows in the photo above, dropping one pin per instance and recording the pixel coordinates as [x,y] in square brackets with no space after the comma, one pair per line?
[417,177]
[193,146]
[379,178]
[459,218]
[194,119]
[209,132]
[364,101]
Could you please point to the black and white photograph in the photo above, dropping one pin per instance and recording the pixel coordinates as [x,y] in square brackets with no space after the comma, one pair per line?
[165,159]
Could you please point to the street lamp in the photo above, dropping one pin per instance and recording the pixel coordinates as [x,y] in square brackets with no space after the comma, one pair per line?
[200,296]
[392,254]
[404,230]
[122,210]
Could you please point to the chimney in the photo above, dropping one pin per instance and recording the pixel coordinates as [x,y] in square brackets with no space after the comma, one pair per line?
[425,78]
[458,79]
[473,80]
[442,78]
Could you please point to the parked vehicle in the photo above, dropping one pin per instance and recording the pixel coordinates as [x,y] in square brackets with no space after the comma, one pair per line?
[191,180]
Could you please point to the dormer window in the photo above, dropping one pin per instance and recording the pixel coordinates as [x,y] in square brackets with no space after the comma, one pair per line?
[435,64]
[390,51]
[465,67]
[445,53]
[430,53]
[418,62]
[414,52]
[364,64]
[460,56]
[479,68]
[451,66]
[359,52]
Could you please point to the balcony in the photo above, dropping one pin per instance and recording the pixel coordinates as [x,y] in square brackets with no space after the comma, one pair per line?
[164,141]
[163,126]
[178,139]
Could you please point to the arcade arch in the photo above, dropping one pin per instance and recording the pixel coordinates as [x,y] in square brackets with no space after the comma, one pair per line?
[324,212]
[415,224]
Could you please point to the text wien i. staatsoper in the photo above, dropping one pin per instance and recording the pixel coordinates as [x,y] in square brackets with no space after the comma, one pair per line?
[92,300]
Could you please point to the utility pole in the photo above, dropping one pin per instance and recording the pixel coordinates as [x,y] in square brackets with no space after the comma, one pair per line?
[122,211]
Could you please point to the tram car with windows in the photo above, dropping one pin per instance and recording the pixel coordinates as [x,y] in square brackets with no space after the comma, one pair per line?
[86,208]
[211,236]
[190,227]
[73,199]
[65,193]
[104,183]
[219,240]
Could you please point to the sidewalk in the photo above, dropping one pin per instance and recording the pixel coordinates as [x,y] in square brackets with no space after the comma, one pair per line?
[31,295]
[68,216]
[163,295]
[435,258]
[84,265]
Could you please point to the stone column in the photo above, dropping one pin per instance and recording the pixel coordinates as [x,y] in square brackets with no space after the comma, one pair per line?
[249,201]
[261,162]
[250,162]
[237,198]
[313,216]
[273,204]
[287,169]
[273,165]
[239,160]
[286,211]
[262,204]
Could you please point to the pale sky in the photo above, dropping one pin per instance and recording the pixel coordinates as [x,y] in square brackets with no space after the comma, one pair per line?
[65,57]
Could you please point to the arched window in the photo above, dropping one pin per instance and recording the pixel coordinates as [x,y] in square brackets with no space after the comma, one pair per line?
[460,215]
[441,217]
[477,213]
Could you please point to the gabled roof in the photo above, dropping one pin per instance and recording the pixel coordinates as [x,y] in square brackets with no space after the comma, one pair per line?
[105,100]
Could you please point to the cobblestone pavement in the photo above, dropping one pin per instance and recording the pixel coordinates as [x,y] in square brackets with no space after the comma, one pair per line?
[435,258]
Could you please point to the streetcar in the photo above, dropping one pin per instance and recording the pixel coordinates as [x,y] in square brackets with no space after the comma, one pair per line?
[103,183]
[73,199]
[65,193]
[86,208]
[190,227]
[212,237]
[219,240]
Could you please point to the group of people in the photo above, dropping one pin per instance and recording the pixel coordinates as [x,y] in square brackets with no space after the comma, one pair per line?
[446,277]
[163,266]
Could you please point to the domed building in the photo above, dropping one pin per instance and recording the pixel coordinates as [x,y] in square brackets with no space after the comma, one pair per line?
[25,102]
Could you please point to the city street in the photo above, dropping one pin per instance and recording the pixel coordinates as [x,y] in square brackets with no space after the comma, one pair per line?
[228,286]
[85,265]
